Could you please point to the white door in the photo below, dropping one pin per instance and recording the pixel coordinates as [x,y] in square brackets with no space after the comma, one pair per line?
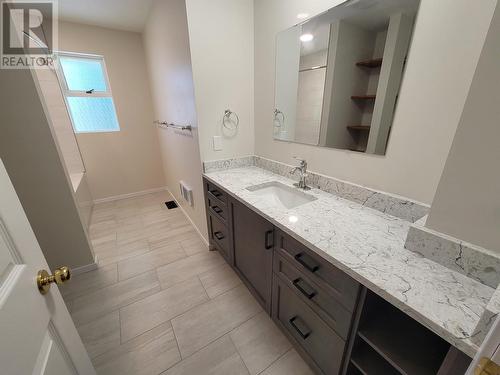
[487,359]
[37,335]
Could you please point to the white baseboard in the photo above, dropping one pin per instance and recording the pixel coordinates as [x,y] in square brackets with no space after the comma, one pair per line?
[191,221]
[83,269]
[129,195]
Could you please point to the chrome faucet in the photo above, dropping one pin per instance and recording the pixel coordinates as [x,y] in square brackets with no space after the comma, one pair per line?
[302,168]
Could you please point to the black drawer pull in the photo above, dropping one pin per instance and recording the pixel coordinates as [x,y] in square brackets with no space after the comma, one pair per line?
[310,266]
[269,243]
[215,193]
[303,288]
[217,209]
[300,327]
[219,235]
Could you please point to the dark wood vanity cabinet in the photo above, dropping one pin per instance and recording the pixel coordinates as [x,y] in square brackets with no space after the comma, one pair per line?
[253,243]
[335,323]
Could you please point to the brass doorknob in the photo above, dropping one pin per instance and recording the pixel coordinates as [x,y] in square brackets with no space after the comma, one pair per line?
[44,279]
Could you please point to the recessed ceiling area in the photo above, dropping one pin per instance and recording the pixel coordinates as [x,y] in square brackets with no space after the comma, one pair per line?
[127,15]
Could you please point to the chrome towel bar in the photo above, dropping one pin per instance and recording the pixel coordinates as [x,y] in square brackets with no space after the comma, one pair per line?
[164,124]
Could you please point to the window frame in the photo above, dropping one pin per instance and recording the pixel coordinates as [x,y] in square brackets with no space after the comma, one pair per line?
[66,92]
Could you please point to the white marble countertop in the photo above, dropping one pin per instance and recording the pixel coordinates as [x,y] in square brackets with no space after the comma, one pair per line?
[369,246]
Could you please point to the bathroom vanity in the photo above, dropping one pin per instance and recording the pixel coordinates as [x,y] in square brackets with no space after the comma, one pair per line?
[335,278]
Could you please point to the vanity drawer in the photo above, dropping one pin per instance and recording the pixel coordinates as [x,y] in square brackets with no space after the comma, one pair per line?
[220,236]
[336,282]
[316,297]
[217,208]
[319,342]
[215,192]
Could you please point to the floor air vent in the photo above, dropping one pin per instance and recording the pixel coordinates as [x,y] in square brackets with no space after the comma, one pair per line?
[171,204]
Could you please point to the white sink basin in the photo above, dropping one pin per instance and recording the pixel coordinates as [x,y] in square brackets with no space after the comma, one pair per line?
[281,195]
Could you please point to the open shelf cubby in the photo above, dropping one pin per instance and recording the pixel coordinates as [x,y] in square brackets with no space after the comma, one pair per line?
[406,345]
[369,362]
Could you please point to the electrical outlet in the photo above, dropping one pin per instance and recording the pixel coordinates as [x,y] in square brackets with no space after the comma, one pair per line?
[217,143]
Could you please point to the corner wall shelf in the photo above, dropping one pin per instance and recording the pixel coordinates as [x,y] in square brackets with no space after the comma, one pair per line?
[363,97]
[372,63]
[359,127]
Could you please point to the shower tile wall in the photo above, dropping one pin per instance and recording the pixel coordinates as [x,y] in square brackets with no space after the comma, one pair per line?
[61,121]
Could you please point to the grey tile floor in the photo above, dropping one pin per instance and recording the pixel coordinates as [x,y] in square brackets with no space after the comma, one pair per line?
[161,303]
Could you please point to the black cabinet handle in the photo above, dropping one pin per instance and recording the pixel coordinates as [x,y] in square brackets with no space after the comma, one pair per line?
[302,286]
[215,193]
[269,243]
[309,265]
[300,327]
[219,235]
[217,209]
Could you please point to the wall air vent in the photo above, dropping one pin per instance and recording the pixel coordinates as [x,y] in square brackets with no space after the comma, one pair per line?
[186,193]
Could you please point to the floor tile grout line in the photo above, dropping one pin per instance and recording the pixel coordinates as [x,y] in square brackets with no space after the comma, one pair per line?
[185,312]
[236,349]
[178,348]
[114,284]
[276,360]
[68,299]
[161,290]
[215,339]
[281,355]
[203,286]
[139,346]
[138,255]
[175,335]
[151,269]
[120,325]
[170,320]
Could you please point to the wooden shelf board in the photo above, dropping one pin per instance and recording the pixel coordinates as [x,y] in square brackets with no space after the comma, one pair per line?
[363,97]
[368,366]
[359,127]
[372,63]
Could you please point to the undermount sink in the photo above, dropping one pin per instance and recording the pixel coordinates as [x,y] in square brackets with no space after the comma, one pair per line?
[281,195]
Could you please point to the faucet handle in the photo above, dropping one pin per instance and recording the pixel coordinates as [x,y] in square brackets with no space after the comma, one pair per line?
[302,162]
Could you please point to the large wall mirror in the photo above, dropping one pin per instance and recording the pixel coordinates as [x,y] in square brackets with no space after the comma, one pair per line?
[338,75]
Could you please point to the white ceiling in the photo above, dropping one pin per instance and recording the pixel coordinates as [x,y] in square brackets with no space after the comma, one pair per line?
[127,15]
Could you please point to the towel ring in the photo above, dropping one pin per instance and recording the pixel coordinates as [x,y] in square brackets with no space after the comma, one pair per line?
[277,121]
[226,120]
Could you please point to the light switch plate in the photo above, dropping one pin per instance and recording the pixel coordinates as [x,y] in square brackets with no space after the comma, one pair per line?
[217,143]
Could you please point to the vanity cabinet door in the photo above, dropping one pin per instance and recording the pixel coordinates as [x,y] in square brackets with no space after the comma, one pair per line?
[253,238]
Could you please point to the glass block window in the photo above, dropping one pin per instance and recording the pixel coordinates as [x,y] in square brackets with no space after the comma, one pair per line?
[87,93]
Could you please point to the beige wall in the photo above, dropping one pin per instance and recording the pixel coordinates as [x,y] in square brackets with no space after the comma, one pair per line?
[467,203]
[221,40]
[127,161]
[447,41]
[35,165]
[166,45]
